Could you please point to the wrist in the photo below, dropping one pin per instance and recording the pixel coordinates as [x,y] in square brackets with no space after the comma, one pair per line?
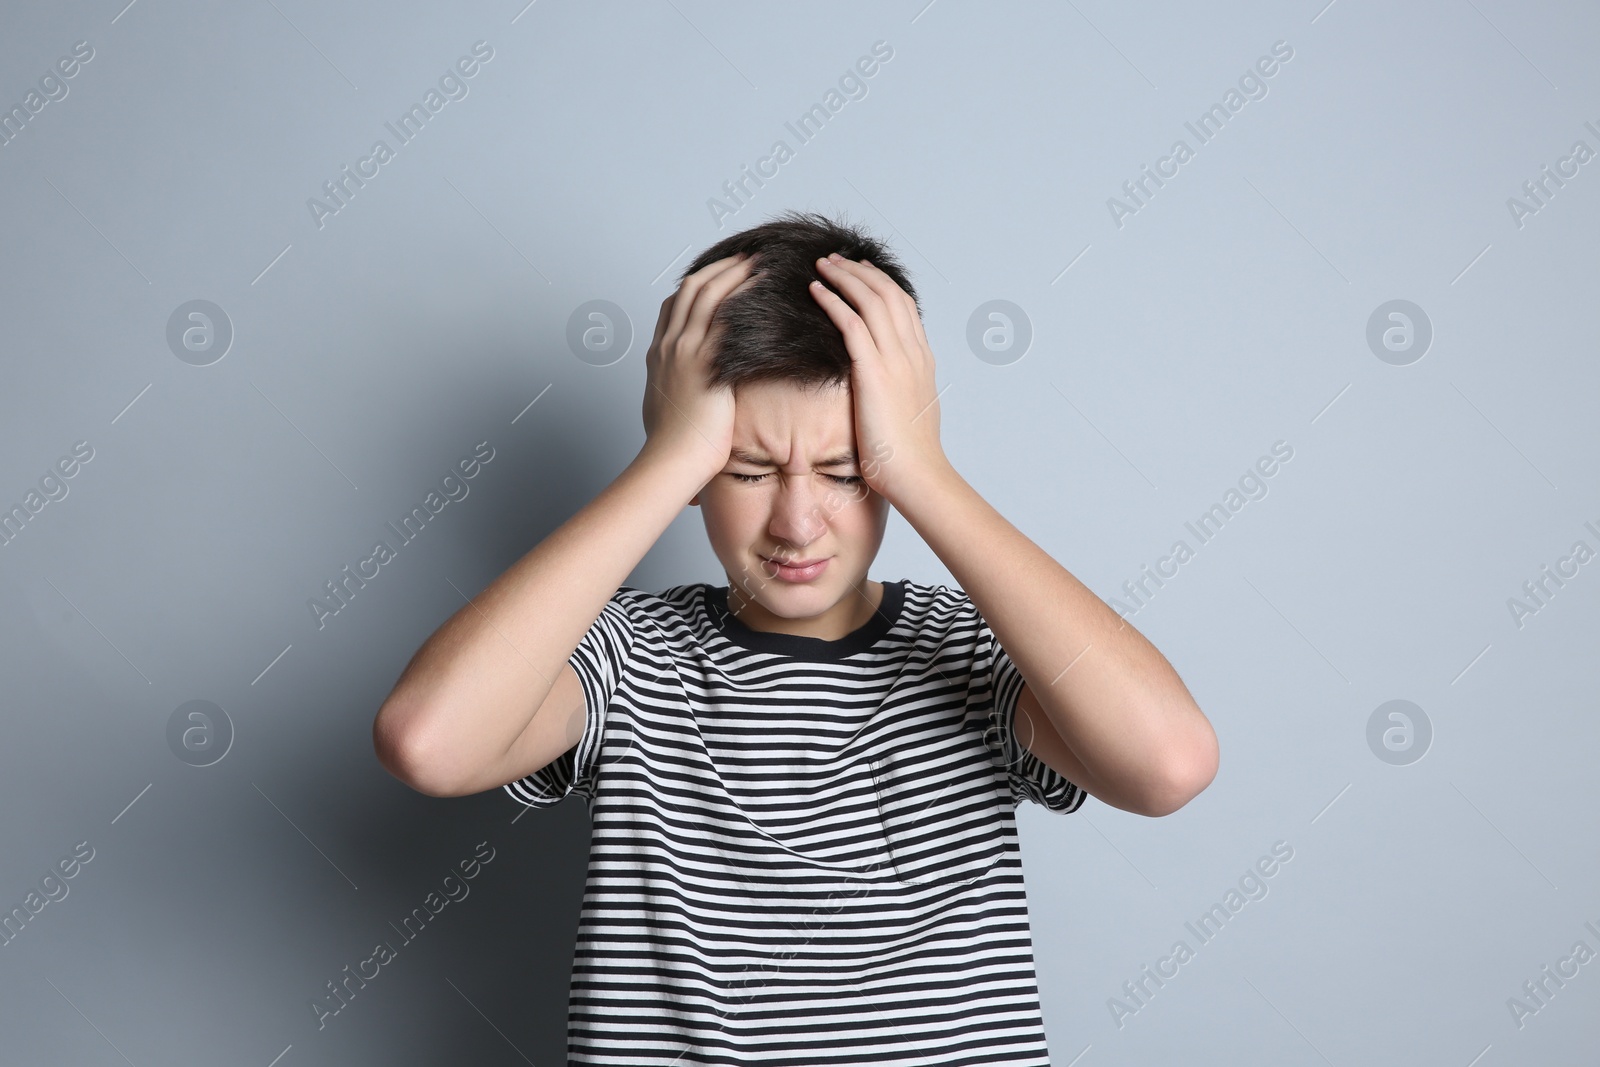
[684,464]
[916,485]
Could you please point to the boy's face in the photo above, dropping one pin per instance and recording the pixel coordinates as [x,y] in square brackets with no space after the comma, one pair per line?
[780,499]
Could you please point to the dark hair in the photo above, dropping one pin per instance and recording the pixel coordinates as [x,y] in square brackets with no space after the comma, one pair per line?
[774,330]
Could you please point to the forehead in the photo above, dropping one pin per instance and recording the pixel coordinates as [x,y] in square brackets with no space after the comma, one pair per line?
[780,418]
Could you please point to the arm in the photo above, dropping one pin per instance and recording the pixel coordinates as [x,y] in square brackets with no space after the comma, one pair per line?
[1129,732]
[474,687]
[1133,736]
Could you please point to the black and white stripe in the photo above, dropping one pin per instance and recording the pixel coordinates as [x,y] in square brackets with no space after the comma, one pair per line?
[804,852]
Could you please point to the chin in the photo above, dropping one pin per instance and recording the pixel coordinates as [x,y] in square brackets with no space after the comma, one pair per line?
[798,604]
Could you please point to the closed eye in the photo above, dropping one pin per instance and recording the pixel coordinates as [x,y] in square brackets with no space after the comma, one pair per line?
[750,479]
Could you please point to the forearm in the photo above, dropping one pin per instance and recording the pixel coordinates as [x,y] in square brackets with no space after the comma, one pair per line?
[474,685]
[1112,696]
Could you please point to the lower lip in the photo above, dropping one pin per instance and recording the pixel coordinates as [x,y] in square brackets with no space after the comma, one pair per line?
[797,574]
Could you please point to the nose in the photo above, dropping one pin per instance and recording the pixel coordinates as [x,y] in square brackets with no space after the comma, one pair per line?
[797,520]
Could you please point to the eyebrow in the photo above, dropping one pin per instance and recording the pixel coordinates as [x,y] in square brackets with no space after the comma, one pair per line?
[760,459]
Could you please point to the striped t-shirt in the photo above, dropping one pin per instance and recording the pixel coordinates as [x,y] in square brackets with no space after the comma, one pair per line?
[803,852]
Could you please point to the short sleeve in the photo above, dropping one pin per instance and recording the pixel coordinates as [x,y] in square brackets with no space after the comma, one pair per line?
[599,661]
[997,680]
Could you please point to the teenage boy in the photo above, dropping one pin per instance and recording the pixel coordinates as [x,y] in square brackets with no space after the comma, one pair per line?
[802,784]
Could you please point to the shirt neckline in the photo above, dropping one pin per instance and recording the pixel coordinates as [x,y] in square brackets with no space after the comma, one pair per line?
[796,646]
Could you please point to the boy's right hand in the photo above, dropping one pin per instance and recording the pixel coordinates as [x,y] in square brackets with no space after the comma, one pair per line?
[682,414]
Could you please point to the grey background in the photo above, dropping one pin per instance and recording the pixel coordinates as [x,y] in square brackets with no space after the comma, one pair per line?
[371,354]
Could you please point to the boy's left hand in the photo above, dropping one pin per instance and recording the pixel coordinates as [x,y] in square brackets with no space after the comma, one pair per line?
[892,377]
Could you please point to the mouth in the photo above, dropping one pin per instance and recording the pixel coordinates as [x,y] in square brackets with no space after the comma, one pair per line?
[802,570]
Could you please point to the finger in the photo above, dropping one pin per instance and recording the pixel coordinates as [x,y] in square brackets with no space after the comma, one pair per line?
[901,309]
[749,280]
[892,296]
[661,325]
[922,335]
[684,299]
[857,335]
[664,318]
[913,315]
[703,305]
[872,308]
[677,304]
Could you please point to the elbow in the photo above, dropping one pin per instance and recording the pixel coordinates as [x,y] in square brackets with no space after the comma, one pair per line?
[1186,778]
[399,753]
